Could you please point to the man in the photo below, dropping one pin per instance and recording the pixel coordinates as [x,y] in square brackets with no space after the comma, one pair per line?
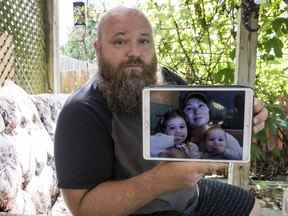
[98,142]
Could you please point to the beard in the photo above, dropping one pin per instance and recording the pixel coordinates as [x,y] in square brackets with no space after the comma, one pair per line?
[122,86]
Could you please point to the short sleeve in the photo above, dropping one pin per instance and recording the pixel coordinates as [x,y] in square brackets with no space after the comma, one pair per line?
[83,147]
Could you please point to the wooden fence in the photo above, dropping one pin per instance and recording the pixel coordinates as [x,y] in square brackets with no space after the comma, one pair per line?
[74,72]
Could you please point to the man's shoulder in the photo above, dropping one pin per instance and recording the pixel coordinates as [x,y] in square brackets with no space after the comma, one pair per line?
[87,98]
[171,77]
[88,105]
[87,94]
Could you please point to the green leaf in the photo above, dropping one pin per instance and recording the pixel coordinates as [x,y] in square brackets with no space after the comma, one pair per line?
[232,53]
[256,153]
[277,46]
[279,23]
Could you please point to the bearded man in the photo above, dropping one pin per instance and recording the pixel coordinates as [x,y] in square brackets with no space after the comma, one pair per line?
[98,142]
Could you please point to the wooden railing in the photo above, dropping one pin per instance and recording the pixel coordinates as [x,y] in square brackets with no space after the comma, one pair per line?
[7,58]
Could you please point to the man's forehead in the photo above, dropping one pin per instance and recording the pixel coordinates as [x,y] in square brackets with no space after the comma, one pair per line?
[124,23]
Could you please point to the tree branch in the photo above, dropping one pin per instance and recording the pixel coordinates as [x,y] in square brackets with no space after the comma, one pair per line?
[188,59]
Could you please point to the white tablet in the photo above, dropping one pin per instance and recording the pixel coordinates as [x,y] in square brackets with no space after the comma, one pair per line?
[197,123]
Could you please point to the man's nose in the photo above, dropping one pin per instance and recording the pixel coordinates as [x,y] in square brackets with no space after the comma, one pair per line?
[133,50]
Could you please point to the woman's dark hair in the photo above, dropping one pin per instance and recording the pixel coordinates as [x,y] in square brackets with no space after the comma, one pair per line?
[187,95]
[217,111]
[170,114]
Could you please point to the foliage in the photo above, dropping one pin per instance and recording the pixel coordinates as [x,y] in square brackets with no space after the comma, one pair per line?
[274,30]
[192,37]
[82,38]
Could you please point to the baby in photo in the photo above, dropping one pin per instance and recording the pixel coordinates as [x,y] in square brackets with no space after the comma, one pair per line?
[215,144]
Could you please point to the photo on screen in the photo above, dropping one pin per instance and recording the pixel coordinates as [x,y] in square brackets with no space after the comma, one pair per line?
[197,124]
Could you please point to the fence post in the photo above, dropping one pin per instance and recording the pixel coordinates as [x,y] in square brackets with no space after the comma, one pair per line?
[53,46]
[245,71]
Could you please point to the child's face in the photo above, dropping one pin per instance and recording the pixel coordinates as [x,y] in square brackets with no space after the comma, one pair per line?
[177,127]
[216,141]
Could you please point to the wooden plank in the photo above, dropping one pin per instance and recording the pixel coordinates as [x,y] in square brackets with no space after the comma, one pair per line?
[11,75]
[246,55]
[3,37]
[5,60]
[7,54]
[245,75]
[7,70]
[6,46]
[54,78]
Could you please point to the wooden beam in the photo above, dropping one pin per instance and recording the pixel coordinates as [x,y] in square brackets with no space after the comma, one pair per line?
[244,75]
[53,45]
[7,59]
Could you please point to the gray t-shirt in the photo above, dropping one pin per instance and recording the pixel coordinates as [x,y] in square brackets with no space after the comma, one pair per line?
[93,145]
[127,136]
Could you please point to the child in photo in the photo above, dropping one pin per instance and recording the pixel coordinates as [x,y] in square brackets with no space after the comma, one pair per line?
[173,123]
[215,145]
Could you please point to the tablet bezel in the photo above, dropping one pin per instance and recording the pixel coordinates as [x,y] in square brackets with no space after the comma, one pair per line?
[247,126]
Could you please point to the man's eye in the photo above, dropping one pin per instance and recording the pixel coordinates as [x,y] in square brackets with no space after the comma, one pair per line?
[119,42]
[144,41]
[172,128]
[220,139]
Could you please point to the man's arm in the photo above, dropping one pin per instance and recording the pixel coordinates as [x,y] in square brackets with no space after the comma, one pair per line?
[112,197]
[126,196]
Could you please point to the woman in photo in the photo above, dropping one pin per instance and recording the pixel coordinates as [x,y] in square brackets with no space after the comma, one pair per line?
[196,108]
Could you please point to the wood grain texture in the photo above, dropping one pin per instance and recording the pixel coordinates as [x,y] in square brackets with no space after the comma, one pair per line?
[7,59]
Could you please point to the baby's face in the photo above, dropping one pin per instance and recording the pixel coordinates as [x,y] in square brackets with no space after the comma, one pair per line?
[177,127]
[216,141]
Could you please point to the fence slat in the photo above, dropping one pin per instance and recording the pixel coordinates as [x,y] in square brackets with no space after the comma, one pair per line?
[7,59]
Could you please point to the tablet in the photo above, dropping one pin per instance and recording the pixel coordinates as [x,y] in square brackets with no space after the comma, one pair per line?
[199,123]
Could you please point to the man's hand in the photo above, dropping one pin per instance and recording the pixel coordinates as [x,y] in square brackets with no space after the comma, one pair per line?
[260,116]
[173,176]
